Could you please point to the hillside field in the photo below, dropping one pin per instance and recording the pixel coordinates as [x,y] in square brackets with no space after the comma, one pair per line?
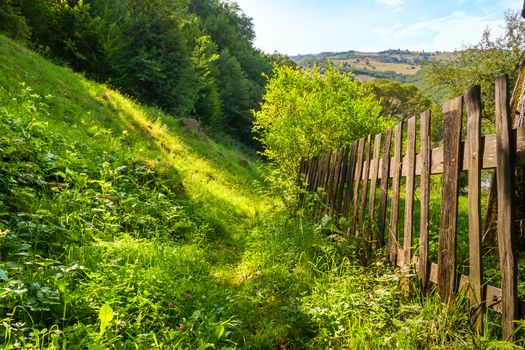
[400,65]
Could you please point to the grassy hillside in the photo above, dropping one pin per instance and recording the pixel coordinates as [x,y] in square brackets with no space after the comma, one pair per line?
[105,201]
[121,230]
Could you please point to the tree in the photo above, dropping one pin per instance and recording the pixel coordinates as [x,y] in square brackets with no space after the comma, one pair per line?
[12,22]
[306,113]
[399,100]
[280,59]
[479,64]
[240,69]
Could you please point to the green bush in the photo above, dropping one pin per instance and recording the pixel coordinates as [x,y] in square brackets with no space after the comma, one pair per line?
[307,112]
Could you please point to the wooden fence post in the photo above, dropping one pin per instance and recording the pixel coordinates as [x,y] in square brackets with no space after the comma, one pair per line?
[341,152]
[332,171]
[449,206]
[385,174]
[506,233]
[473,101]
[357,181]
[342,181]
[374,170]
[396,181]
[409,191]
[323,179]
[318,172]
[366,174]
[350,173]
[423,269]
[311,174]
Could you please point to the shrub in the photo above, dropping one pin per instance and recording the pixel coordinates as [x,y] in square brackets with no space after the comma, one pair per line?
[306,112]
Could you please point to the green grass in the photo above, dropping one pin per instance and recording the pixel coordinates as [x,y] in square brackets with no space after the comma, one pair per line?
[120,230]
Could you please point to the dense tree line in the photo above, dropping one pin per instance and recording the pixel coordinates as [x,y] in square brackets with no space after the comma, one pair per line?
[189,57]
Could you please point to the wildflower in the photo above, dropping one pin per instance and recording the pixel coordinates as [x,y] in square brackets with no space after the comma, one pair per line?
[182,327]
[185,294]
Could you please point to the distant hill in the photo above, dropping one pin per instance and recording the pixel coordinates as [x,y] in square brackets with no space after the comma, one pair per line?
[399,65]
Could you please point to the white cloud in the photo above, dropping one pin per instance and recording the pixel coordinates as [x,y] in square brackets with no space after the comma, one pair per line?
[439,33]
[391,2]
[299,26]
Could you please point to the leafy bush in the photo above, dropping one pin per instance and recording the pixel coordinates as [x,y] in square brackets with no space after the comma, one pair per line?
[307,112]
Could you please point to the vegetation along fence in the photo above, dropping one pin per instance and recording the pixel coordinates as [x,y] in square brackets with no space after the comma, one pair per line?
[352,177]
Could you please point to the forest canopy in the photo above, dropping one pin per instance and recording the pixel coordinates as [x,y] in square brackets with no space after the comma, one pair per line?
[192,58]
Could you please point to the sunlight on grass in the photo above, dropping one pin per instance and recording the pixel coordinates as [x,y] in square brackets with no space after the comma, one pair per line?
[200,177]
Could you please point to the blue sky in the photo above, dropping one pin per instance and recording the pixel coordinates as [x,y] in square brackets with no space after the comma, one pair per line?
[312,26]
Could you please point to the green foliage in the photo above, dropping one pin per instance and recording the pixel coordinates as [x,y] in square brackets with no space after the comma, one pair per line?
[398,100]
[239,68]
[190,58]
[209,104]
[105,315]
[12,22]
[307,112]
[480,64]
[279,59]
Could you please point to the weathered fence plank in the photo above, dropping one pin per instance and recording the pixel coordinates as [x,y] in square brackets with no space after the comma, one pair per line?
[366,169]
[313,174]
[341,181]
[374,170]
[385,167]
[449,206]
[309,181]
[357,181]
[505,175]
[323,179]
[424,189]
[329,183]
[340,185]
[396,181]
[487,155]
[350,173]
[409,190]
[319,172]
[334,180]
[473,102]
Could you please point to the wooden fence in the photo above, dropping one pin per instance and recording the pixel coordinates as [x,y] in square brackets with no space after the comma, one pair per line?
[350,178]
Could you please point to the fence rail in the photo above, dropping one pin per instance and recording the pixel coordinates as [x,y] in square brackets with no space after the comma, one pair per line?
[351,177]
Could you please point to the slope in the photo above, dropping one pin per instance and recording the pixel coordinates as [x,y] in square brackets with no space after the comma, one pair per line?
[95,184]
[121,230]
